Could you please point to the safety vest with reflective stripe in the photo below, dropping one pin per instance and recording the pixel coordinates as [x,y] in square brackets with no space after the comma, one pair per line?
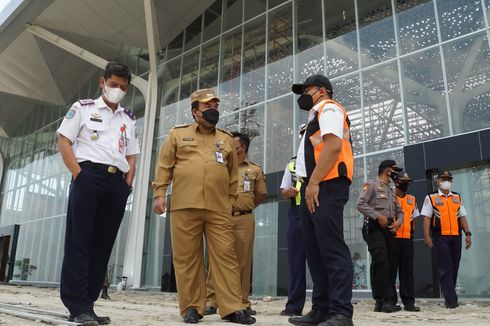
[344,166]
[446,215]
[408,205]
[295,182]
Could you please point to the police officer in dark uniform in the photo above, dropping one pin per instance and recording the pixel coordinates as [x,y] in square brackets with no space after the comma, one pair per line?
[97,141]
[382,218]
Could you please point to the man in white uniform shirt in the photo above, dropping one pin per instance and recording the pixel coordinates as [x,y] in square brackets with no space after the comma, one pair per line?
[97,141]
[326,164]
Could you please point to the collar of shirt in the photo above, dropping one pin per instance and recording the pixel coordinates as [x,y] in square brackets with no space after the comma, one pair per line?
[442,194]
[384,184]
[101,104]
[195,125]
[244,162]
[314,109]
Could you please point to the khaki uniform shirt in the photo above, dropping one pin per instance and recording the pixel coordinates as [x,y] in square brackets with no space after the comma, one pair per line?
[203,168]
[376,199]
[257,186]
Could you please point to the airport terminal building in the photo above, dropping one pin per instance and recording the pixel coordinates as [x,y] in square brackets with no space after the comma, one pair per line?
[414,76]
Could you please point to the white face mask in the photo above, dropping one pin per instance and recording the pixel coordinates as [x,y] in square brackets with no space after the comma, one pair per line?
[114,95]
[445,185]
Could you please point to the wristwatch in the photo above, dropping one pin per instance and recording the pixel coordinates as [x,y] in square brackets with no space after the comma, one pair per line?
[468,233]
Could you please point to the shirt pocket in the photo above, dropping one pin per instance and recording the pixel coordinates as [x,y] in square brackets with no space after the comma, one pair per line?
[95,126]
[381,200]
[186,147]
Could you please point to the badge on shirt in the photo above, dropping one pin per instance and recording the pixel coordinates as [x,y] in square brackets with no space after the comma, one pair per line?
[70,114]
[246,182]
[122,138]
[409,201]
[438,201]
[455,200]
[218,154]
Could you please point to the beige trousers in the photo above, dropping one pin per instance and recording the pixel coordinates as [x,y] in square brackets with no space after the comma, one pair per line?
[244,234]
[187,227]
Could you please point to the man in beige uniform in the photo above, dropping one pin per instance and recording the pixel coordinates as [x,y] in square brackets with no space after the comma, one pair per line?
[201,161]
[252,190]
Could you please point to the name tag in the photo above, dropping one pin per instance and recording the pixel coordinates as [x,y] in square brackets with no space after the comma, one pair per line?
[246,185]
[219,157]
[96,119]
[188,139]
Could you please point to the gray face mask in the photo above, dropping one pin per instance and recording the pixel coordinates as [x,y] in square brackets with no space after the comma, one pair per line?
[445,185]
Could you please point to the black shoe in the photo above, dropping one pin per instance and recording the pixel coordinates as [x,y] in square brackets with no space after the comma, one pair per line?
[338,320]
[290,313]
[378,306]
[250,311]
[210,310]
[104,295]
[411,307]
[390,307]
[191,316]
[451,305]
[240,317]
[314,317]
[85,319]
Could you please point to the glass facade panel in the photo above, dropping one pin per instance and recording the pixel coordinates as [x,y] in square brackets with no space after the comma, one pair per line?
[175,47]
[252,123]
[212,21]
[424,95]
[193,34]
[416,24]
[254,8]
[253,77]
[229,88]
[279,51]
[459,17]
[233,14]
[468,74]
[208,76]
[382,108]
[376,28]
[171,81]
[341,38]
[279,126]
[190,68]
[474,186]
[309,52]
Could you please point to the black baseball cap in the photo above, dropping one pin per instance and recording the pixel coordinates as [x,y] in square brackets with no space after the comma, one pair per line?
[445,174]
[389,164]
[313,80]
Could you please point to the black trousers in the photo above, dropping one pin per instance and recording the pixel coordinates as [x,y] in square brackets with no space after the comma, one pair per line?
[96,205]
[296,263]
[403,266]
[447,250]
[327,254]
[380,245]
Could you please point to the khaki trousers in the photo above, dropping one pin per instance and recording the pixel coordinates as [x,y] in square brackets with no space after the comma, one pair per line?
[244,234]
[187,227]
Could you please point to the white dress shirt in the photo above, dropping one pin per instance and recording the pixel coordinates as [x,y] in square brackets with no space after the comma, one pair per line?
[100,135]
[331,122]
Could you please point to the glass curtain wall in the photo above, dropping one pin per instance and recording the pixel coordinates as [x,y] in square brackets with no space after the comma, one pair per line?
[406,71]
[35,189]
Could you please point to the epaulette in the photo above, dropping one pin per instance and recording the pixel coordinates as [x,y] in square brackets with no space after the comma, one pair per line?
[182,126]
[225,131]
[86,102]
[255,164]
[130,114]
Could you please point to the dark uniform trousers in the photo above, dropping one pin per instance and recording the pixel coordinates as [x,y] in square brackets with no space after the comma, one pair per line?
[447,250]
[296,263]
[326,252]
[380,245]
[403,266]
[96,205]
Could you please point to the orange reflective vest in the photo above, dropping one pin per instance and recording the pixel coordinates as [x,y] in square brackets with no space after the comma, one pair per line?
[344,166]
[445,218]
[408,205]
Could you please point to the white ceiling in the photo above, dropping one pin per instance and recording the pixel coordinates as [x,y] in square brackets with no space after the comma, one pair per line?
[33,70]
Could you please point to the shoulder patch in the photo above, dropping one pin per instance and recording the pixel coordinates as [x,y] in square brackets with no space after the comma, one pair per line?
[225,131]
[130,114]
[86,102]
[365,186]
[70,114]
[182,126]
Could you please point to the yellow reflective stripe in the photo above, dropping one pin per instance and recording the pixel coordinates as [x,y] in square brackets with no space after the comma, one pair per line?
[316,139]
[298,196]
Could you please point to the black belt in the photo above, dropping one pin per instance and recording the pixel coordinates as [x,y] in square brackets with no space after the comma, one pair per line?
[108,168]
[238,213]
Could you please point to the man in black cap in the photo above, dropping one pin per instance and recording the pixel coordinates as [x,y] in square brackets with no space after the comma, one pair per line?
[326,164]
[383,216]
[445,216]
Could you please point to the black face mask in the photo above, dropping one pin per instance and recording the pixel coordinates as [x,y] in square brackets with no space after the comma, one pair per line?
[403,186]
[211,116]
[305,101]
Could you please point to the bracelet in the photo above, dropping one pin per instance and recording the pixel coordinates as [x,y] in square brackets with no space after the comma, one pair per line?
[468,234]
